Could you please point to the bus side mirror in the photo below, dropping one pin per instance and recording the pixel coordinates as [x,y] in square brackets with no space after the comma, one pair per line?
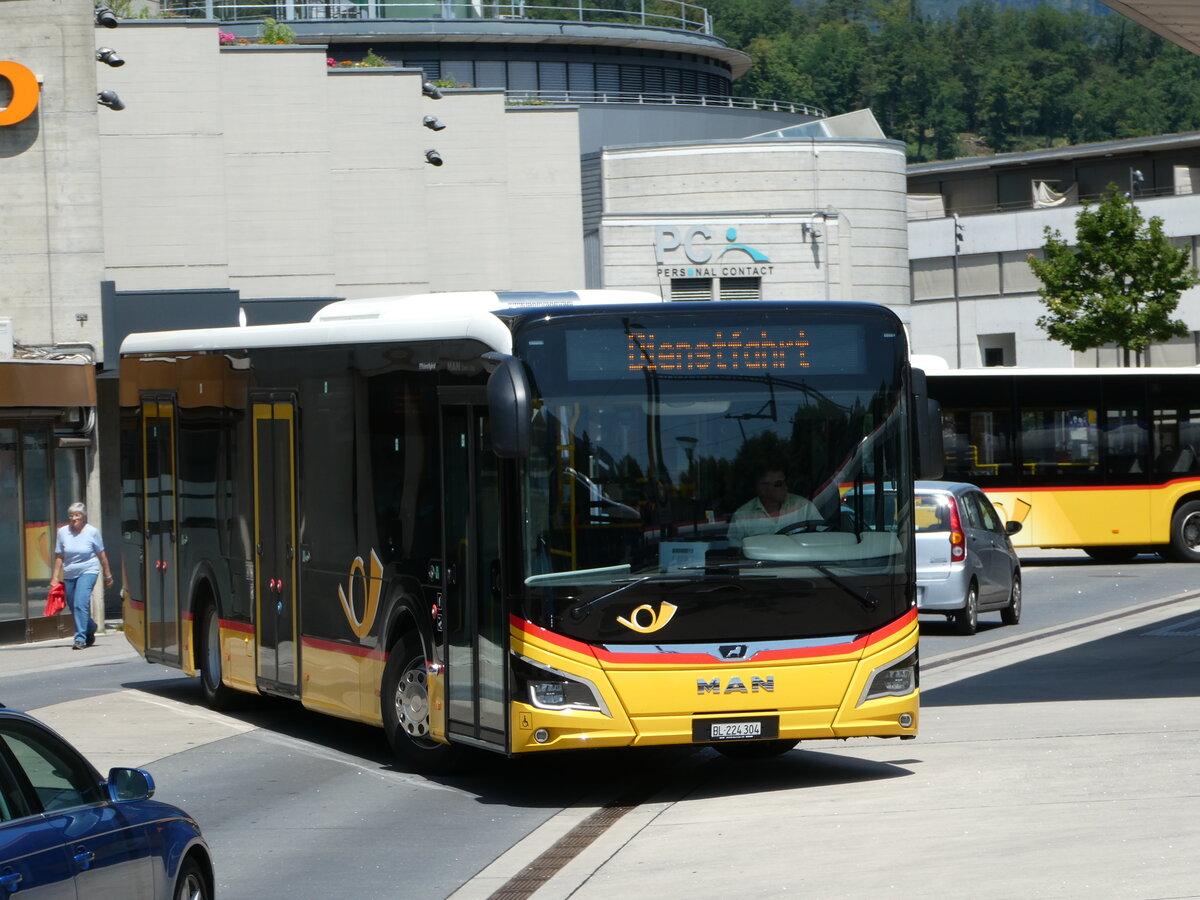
[931,455]
[509,407]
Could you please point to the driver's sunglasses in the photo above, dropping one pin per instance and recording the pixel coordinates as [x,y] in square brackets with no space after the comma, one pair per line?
[774,484]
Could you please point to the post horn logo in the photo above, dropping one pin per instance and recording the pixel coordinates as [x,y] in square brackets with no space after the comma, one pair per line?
[369,589]
[645,620]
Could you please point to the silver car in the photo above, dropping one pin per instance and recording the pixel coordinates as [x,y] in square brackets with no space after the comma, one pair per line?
[965,561]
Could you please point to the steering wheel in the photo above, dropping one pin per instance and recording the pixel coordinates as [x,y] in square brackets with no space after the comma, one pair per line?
[805,527]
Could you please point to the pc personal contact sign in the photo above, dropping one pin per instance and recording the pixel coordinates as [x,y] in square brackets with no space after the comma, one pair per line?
[24,92]
[706,256]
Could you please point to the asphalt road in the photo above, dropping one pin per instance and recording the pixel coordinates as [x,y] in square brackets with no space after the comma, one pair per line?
[303,805]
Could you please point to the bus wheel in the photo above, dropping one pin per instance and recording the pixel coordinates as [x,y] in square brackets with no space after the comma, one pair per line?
[405,709]
[216,694]
[1111,554]
[1011,614]
[966,620]
[1185,532]
[754,749]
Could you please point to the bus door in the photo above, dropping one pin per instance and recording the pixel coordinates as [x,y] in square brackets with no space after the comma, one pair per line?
[476,622]
[158,552]
[275,567]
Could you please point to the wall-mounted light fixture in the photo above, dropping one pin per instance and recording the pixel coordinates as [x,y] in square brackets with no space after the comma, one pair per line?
[811,229]
[106,17]
[110,99]
[433,157]
[108,56]
[432,123]
[430,90]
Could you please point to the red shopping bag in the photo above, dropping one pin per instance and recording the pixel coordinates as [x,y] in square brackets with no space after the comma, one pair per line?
[56,601]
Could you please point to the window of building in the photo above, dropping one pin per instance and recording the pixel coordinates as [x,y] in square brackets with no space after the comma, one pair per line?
[740,288]
[691,288]
[932,279]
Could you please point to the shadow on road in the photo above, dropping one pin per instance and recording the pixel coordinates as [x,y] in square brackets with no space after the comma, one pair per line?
[549,780]
[1157,660]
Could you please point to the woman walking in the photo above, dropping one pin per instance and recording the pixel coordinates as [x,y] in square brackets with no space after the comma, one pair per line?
[78,560]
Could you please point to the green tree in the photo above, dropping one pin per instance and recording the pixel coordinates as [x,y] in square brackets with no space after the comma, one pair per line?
[1119,283]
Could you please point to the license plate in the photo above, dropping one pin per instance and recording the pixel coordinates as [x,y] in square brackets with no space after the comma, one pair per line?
[709,730]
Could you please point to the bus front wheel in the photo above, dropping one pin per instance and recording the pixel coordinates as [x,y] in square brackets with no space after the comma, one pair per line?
[216,694]
[405,710]
[1185,532]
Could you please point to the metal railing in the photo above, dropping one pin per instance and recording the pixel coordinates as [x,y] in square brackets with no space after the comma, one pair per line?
[547,97]
[673,14]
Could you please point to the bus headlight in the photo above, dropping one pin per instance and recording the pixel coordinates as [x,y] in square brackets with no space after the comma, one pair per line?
[896,679]
[549,688]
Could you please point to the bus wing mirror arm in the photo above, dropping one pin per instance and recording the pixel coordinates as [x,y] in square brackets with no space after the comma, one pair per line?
[931,455]
[509,406]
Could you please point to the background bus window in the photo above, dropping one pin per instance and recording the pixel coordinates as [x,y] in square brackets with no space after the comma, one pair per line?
[1124,444]
[1176,435]
[1060,442]
[978,445]
[1059,436]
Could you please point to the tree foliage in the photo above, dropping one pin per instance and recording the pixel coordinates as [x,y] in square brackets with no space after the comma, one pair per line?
[1014,78]
[1118,284]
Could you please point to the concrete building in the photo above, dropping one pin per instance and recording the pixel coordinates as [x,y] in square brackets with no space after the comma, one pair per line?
[596,146]
[975,301]
[811,212]
[51,266]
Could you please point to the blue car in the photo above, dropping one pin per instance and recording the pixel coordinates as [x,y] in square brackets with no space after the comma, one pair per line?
[65,832]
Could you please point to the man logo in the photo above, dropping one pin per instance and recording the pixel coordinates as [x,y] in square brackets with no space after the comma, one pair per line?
[24,92]
[735,685]
[733,651]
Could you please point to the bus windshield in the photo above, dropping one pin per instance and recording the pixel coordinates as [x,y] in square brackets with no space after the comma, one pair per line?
[755,453]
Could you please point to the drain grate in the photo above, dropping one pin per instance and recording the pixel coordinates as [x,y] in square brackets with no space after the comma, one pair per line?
[567,847]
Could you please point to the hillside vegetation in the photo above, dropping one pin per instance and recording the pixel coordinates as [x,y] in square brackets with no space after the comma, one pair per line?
[991,78]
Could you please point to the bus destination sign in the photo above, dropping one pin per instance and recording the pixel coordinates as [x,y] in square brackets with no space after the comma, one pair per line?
[701,349]
[729,350]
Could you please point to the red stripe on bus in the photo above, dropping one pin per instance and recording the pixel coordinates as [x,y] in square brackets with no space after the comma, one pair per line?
[905,621]
[1008,489]
[348,649]
[243,627]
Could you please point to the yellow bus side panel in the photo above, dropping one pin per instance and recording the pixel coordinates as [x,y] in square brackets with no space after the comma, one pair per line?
[1080,517]
[134,615]
[341,682]
[187,662]
[237,659]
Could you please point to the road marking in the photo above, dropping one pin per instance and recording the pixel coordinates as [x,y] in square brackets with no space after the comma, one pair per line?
[132,728]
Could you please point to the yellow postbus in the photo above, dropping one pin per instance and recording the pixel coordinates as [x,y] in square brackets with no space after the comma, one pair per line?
[1106,460]
[501,520]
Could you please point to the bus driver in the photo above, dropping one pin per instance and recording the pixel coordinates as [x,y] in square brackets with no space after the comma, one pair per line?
[774,508]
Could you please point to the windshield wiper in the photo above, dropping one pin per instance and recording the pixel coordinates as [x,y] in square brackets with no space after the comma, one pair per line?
[868,600]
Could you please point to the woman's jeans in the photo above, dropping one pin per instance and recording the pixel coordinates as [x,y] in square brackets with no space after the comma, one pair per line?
[79,601]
